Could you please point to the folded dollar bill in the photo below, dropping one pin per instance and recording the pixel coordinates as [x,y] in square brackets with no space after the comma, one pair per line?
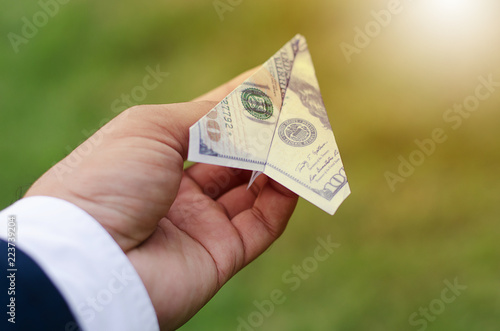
[276,123]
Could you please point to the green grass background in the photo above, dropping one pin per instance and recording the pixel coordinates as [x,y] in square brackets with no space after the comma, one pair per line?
[398,247]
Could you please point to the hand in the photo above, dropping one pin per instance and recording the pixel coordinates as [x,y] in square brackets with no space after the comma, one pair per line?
[187,232]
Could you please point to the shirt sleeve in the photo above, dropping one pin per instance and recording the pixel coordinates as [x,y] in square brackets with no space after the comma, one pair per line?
[86,265]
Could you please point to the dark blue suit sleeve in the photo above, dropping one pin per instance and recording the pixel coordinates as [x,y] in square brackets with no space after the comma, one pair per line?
[36,303]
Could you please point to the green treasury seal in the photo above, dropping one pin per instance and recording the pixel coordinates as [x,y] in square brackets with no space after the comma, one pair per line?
[297,132]
[257,103]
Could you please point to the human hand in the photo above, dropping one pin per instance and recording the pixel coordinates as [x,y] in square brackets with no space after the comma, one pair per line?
[187,232]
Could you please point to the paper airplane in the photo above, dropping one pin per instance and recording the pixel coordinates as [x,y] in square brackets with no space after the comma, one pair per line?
[276,123]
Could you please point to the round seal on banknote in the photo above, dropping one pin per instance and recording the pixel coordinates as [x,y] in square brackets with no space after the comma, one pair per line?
[297,132]
[257,103]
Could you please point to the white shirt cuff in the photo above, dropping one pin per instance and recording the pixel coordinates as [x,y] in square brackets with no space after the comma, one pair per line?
[86,265]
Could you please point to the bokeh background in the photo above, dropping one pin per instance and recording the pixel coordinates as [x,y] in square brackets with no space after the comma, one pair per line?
[398,248]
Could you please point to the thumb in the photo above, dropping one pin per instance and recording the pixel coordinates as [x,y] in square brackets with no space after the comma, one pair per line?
[168,124]
[174,120]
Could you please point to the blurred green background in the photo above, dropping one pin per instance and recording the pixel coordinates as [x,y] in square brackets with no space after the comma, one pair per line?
[396,248]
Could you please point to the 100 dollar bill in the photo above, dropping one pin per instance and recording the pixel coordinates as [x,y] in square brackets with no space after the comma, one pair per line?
[276,123]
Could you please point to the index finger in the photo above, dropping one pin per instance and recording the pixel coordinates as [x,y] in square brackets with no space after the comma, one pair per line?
[224,90]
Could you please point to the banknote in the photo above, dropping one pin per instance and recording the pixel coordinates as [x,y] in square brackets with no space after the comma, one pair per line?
[276,123]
